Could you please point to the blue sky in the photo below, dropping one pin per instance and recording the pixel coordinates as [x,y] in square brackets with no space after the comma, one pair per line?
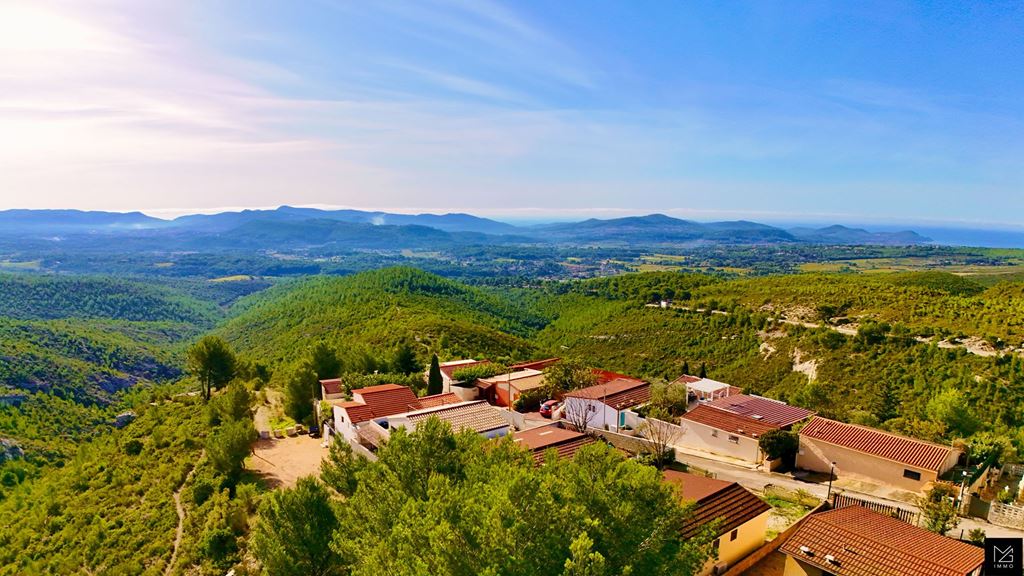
[775,111]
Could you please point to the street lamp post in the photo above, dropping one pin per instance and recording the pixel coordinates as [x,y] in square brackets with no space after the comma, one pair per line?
[963,487]
[830,474]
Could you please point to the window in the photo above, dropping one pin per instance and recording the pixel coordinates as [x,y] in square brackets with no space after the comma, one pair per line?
[734,534]
[714,433]
[734,439]
[714,545]
[913,475]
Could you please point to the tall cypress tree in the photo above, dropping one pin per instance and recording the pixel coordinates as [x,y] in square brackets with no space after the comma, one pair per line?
[435,385]
[703,370]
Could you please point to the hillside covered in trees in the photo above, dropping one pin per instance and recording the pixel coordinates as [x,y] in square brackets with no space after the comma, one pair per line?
[886,350]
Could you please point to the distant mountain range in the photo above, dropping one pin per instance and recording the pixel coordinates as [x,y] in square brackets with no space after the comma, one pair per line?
[288,227]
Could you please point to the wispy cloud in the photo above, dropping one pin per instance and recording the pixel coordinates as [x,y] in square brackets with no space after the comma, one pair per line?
[449,104]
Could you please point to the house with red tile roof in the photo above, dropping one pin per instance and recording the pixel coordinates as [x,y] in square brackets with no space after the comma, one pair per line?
[764,409]
[541,439]
[606,376]
[377,402]
[856,541]
[332,389]
[476,415]
[607,404]
[716,431]
[872,455]
[505,389]
[742,517]
[535,364]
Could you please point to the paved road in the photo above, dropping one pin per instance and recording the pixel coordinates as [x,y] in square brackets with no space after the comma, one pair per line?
[757,480]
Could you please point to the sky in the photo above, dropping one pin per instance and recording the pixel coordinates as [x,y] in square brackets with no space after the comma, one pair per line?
[883,112]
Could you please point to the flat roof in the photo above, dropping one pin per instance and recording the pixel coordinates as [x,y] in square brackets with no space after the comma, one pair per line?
[707,385]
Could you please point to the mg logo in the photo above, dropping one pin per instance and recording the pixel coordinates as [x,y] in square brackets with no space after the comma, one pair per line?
[1003,557]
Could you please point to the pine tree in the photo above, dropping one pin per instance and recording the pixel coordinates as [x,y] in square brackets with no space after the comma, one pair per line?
[887,401]
[405,359]
[212,362]
[435,384]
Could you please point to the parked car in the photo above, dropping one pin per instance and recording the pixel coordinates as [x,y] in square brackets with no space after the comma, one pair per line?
[549,406]
[314,431]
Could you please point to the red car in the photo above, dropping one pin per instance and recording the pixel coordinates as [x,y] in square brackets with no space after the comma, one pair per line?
[548,407]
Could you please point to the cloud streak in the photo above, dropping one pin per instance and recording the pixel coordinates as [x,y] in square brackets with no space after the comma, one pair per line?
[127,105]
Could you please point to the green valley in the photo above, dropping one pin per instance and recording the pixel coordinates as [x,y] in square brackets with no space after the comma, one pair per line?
[859,348]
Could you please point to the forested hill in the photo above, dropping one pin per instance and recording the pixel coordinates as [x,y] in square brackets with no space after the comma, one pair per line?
[31,297]
[86,337]
[881,350]
[375,311]
[891,350]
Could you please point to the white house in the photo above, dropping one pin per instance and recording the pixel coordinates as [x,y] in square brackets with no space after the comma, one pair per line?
[606,405]
[725,433]
[378,402]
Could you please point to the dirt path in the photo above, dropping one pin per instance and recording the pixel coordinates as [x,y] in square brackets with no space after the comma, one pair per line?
[181,517]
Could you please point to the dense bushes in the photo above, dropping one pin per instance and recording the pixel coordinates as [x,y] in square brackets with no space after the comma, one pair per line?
[106,510]
[433,496]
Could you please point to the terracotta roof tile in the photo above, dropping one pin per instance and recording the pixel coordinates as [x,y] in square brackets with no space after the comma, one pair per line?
[478,416]
[619,393]
[540,439]
[332,386]
[866,543]
[716,499]
[769,410]
[694,486]
[535,364]
[605,376]
[386,399]
[357,411]
[729,421]
[437,400]
[917,453]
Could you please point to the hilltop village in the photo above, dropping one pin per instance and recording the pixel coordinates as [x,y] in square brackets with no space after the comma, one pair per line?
[785,491]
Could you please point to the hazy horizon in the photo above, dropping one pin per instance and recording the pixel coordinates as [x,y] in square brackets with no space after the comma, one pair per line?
[534,216]
[804,112]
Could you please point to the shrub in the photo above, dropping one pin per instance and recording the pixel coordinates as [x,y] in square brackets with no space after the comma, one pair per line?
[530,400]
[780,444]
[218,544]
[477,371]
[202,490]
[132,447]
